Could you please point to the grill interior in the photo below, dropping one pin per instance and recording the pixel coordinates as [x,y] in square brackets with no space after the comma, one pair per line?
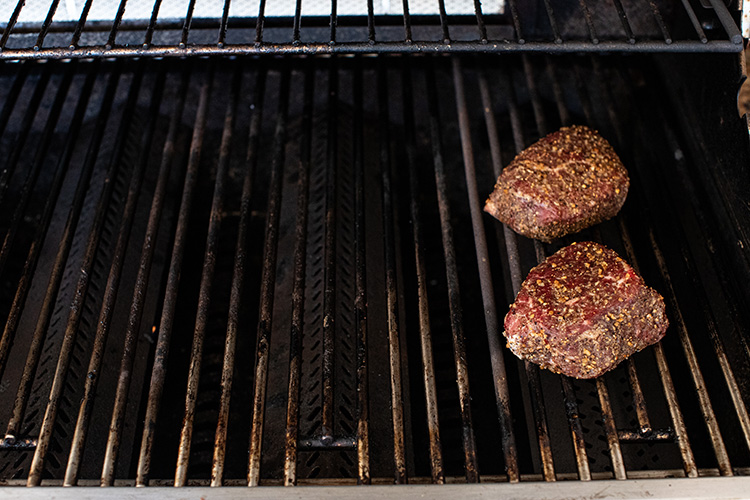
[46,29]
[278,272]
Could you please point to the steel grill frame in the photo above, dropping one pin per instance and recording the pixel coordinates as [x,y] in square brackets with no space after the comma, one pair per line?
[395,247]
[556,42]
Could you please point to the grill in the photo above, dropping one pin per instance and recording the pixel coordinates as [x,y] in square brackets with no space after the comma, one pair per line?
[266,271]
[284,27]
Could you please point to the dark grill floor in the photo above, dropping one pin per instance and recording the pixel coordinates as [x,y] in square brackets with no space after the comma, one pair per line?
[367,159]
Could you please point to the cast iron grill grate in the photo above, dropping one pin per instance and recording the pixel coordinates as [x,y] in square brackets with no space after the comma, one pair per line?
[294,282]
[39,30]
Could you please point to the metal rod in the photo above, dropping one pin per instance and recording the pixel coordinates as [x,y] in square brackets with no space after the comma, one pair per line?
[33,173]
[589,21]
[297,23]
[574,420]
[77,304]
[238,281]
[639,402]
[499,373]
[624,20]
[40,330]
[224,24]
[552,21]
[370,22]
[407,23]
[694,21]
[268,282]
[516,21]
[329,263]
[80,24]
[11,23]
[259,23]
[298,288]
[207,276]
[116,24]
[391,285]
[425,333]
[727,21]
[36,246]
[660,21]
[451,271]
[613,441]
[151,25]
[110,296]
[360,283]
[384,47]
[186,25]
[158,371]
[444,22]
[480,21]
[32,106]
[46,24]
[333,23]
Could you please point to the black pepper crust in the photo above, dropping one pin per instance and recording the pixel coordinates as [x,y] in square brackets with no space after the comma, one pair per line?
[583,311]
[563,183]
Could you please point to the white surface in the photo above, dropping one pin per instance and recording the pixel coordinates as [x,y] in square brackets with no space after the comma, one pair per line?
[70,10]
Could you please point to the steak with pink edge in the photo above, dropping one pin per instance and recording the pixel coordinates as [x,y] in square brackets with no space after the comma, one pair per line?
[582,311]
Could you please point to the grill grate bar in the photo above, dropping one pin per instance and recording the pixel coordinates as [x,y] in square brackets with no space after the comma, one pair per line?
[660,21]
[186,25]
[694,21]
[207,274]
[267,285]
[12,98]
[238,282]
[116,24]
[454,303]
[79,26]
[224,24]
[152,24]
[615,453]
[298,288]
[46,24]
[425,331]
[360,284]
[407,23]
[329,264]
[166,322]
[731,29]
[394,343]
[40,330]
[11,23]
[76,306]
[589,23]
[552,21]
[624,21]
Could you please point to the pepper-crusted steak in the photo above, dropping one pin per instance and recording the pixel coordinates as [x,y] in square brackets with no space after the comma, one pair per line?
[582,311]
[567,181]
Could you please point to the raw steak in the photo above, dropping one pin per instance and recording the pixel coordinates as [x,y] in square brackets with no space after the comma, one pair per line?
[565,182]
[582,311]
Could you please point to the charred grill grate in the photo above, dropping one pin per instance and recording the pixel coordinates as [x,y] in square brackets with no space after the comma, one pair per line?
[353,186]
[279,27]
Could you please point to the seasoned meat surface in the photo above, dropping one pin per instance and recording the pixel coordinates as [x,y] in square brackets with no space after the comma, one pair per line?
[565,182]
[582,311]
